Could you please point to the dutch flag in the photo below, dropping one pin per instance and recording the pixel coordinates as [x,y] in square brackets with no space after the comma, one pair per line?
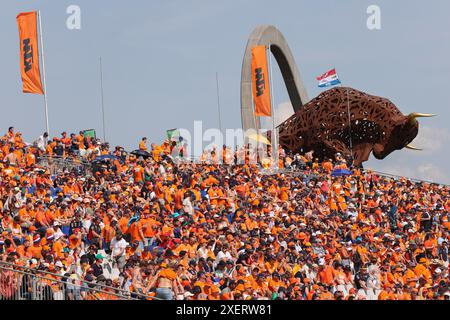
[328,79]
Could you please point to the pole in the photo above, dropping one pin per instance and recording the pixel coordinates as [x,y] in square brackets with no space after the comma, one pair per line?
[349,125]
[274,129]
[218,101]
[349,120]
[258,132]
[103,105]
[43,73]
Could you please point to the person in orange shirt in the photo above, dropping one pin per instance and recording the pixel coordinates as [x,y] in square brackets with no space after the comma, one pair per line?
[80,140]
[50,214]
[387,294]
[143,144]
[138,173]
[284,193]
[49,148]
[65,140]
[149,227]
[30,159]
[75,239]
[108,233]
[178,198]
[216,196]
[421,270]
[58,246]
[23,251]
[123,223]
[327,166]
[35,250]
[326,273]
[156,152]
[136,233]
[275,282]
[41,217]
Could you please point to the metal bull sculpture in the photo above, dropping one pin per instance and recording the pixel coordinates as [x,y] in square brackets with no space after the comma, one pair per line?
[322,125]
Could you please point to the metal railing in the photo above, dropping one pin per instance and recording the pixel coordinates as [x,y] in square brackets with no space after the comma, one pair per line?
[58,164]
[22,283]
[397,177]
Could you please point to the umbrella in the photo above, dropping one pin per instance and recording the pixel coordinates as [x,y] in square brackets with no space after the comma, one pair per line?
[341,172]
[141,153]
[168,158]
[104,157]
[258,138]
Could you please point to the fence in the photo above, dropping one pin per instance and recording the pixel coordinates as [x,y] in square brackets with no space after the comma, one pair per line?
[396,177]
[22,283]
[58,165]
[296,172]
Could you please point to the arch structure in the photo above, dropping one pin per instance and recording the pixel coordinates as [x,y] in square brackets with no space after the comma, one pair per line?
[269,35]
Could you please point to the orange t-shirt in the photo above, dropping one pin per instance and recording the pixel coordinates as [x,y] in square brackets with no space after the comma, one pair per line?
[138,173]
[168,274]
[327,275]
[123,224]
[35,251]
[142,146]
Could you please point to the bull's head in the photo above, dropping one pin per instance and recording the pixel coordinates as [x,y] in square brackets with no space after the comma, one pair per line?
[401,137]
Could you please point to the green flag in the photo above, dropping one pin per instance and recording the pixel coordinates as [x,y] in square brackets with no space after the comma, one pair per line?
[173,133]
[90,133]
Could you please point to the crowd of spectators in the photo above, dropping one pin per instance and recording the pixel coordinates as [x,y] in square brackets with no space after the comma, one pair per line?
[153,228]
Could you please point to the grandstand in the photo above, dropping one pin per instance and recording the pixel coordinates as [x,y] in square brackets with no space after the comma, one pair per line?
[86,223]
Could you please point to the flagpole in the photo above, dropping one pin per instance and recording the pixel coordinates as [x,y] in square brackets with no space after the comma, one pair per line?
[218,101]
[274,129]
[257,127]
[103,106]
[349,118]
[43,72]
[349,125]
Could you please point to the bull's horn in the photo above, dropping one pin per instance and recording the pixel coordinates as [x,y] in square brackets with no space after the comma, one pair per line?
[421,115]
[411,147]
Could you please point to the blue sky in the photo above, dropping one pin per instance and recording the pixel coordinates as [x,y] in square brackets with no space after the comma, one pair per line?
[160,59]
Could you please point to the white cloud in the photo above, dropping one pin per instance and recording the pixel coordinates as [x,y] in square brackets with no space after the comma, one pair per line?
[397,170]
[432,172]
[431,140]
[424,171]
[429,164]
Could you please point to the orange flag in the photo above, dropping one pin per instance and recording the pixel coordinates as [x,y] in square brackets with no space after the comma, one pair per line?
[260,82]
[29,54]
